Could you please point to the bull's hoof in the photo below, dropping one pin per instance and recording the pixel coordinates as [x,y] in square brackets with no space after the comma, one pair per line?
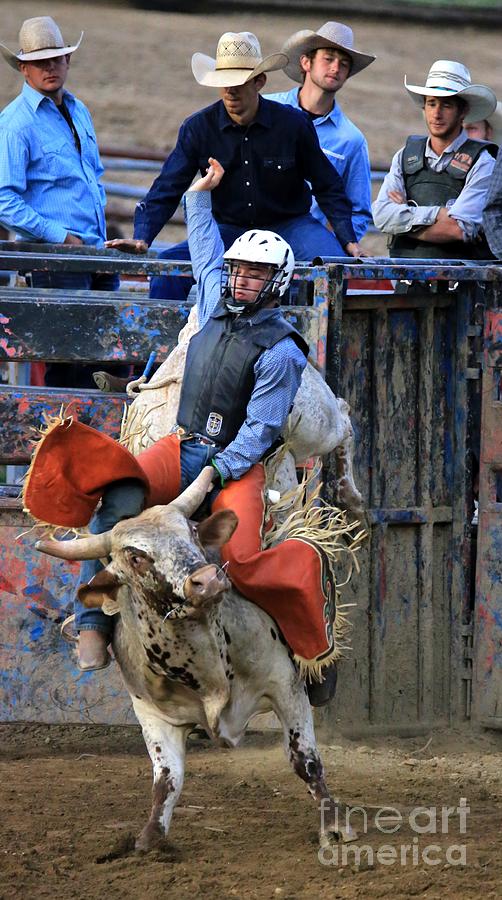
[333,834]
[151,838]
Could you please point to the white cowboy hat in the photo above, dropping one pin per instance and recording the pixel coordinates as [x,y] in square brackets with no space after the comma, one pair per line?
[39,38]
[331,34]
[451,79]
[238,60]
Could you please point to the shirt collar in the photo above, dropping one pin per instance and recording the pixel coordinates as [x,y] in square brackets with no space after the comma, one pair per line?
[263,116]
[451,148]
[34,98]
[334,114]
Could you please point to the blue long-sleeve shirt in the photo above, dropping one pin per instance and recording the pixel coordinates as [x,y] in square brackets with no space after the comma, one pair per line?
[278,370]
[269,168]
[48,188]
[347,150]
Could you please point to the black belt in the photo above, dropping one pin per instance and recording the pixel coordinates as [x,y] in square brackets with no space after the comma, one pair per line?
[199,438]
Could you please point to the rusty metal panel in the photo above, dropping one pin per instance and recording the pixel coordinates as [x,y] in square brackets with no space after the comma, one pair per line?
[488,612]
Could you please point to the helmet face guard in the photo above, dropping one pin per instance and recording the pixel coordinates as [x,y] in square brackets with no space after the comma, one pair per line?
[268,291]
[263,249]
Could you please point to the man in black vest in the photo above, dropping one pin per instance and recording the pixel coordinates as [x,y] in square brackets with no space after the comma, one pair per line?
[431,202]
[242,373]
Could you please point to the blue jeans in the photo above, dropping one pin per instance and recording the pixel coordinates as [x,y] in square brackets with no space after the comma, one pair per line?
[306,236]
[123,500]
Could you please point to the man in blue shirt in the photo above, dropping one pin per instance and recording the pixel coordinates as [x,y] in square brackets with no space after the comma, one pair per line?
[321,61]
[50,167]
[272,160]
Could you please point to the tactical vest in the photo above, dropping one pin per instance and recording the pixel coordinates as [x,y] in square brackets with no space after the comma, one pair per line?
[428,188]
[219,372]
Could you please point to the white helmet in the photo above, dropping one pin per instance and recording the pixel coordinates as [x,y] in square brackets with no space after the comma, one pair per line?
[263,247]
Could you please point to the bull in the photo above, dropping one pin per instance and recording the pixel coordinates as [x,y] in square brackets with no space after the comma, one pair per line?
[193,651]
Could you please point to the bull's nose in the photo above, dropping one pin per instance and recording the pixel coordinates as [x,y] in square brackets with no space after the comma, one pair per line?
[205,583]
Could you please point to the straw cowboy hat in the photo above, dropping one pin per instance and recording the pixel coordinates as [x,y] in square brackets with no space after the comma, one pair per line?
[331,34]
[451,79]
[39,38]
[238,60]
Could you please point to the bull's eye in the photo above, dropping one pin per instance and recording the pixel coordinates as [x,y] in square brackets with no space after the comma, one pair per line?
[138,560]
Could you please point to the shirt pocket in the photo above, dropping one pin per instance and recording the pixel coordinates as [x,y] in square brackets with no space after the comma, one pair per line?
[278,165]
[279,174]
[59,157]
[90,142]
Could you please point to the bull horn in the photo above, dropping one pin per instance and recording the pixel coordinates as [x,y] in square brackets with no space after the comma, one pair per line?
[194,494]
[95,546]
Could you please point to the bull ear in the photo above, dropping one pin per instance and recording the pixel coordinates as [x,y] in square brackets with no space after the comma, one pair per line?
[218,529]
[101,591]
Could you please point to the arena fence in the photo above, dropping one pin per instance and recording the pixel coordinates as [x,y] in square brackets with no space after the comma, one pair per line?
[414,360]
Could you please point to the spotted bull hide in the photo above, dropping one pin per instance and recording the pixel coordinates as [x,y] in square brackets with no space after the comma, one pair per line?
[319,422]
[192,651]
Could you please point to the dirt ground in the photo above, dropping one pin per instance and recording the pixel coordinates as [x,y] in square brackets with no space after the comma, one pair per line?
[72,797]
[133,70]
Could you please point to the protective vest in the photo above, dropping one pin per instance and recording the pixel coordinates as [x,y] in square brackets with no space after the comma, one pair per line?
[219,372]
[428,188]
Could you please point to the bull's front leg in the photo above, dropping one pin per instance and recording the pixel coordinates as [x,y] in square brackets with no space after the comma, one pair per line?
[166,747]
[301,750]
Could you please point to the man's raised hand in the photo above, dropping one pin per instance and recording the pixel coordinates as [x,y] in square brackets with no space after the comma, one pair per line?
[211,180]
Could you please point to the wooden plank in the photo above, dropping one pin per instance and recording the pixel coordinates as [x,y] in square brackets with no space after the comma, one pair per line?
[425,637]
[97,326]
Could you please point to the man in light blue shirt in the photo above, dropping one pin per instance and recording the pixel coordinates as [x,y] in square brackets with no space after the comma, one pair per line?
[49,160]
[322,61]
[50,167]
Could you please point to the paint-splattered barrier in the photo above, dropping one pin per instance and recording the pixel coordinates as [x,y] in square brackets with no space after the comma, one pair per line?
[408,362]
[488,613]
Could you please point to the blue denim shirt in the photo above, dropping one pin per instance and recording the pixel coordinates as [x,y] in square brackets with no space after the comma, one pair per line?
[278,370]
[267,166]
[47,188]
[347,150]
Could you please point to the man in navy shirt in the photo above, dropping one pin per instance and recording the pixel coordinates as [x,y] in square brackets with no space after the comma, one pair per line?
[272,159]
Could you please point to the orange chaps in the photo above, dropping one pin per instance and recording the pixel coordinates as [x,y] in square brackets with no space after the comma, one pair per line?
[291,581]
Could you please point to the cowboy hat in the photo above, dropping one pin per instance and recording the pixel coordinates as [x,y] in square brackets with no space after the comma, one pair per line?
[238,60]
[331,34]
[39,38]
[495,123]
[451,79]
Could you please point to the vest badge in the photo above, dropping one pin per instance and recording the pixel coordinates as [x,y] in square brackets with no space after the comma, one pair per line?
[462,161]
[214,423]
